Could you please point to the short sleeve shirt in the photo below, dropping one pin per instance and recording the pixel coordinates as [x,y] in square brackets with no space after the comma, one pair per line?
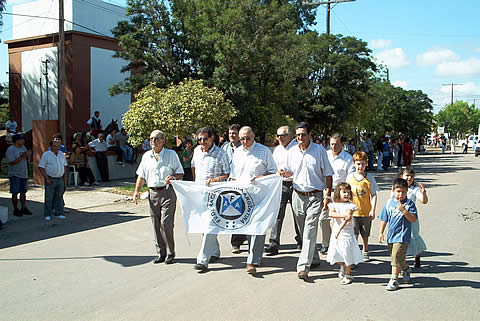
[399,228]
[280,157]
[342,208]
[228,148]
[362,192]
[54,165]
[211,164]
[256,161]
[342,166]
[98,145]
[111,138]
[155,172]
[122,139]
[11,126]
[20,169]
[310,167]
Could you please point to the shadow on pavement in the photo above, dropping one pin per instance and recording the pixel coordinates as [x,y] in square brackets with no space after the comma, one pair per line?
[123,260]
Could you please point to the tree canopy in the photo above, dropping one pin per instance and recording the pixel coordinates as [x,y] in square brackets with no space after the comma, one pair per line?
[459,118]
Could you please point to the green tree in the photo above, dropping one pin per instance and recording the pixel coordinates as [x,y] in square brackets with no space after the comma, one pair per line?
[459,118]
[178,110]
[4,114]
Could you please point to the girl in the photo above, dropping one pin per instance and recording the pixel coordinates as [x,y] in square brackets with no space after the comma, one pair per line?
[343,248]
[416,191]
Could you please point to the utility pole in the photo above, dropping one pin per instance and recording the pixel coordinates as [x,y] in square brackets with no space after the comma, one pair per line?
[46,62]
[42,107]
[61,71]
[452,84]
[329,8]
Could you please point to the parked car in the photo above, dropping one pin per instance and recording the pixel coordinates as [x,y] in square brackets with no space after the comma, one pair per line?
[477,150]
[471,140]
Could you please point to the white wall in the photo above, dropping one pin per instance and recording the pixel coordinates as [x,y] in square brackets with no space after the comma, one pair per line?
[105,72]
[93,14]
[32,70]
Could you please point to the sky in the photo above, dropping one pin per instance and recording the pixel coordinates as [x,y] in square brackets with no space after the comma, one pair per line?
[424,43]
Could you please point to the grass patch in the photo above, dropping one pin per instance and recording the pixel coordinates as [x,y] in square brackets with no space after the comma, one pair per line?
[4,171]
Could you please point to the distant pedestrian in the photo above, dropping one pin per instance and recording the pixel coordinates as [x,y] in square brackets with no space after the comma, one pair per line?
[95,124]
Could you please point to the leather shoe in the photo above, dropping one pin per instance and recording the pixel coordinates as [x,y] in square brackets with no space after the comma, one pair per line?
[251,269]
[159,259]
[200,267]
[324,250]
[271,250]
[170,259]
[213,259]
[314,265]
[302,275]
[236,249]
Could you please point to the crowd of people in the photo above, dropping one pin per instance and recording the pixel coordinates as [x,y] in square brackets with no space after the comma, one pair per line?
[321,185]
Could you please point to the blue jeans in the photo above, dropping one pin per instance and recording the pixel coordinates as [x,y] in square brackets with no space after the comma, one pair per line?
[54,197]
[127,152]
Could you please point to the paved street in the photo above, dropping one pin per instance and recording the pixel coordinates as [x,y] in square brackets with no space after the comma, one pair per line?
[96,264]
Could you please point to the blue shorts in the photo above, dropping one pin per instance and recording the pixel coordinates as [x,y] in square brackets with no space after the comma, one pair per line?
[18,185]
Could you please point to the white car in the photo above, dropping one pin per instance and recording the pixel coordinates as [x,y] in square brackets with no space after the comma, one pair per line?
[471,140]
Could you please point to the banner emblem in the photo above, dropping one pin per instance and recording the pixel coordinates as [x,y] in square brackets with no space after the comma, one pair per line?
[230,208]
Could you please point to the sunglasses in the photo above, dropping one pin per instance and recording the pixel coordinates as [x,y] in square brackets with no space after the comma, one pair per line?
[203,139]
[246,138]
[301,134]
[282,135]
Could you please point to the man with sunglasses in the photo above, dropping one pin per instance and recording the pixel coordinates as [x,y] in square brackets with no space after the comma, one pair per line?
[284,138]
[251,161]
[308,164]
[158,167]
[209,164]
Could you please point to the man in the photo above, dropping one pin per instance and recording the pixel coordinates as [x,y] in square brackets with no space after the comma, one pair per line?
[229,147]
[53,167]
[209,164]
[99,145]
[122,139]
[251,161]
[342,165]
[371,154]
[11,127]
[95,124]
[284,138]
[158,167]
[17,156]
[308,163]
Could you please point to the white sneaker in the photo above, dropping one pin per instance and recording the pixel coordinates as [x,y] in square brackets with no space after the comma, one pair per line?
[392,285]
[406,276]
[347,279]
[60,216]
[47,218]
[341,273]
[95,183]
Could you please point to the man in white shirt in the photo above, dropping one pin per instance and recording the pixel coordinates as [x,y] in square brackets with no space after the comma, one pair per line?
[209,164]
[342,164]
[158,167]
[251,161]
[100,147]
[53,167]
[284,137]
[308,164]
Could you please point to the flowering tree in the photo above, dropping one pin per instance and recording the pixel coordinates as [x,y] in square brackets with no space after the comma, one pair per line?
[178,110]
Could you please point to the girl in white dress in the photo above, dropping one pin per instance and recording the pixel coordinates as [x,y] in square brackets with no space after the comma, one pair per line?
[416,191]
[343,248]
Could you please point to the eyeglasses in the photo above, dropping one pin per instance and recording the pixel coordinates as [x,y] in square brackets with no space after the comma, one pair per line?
[203,139]
[246,138]
[283,135]
[301,134]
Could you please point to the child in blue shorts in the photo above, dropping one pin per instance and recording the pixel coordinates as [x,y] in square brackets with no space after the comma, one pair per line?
[399,212]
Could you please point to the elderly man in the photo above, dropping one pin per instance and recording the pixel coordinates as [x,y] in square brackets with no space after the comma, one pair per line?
[308,163]
[100,147]
[251,161]
[284,138]
[342,164]
[230,147]
[53,167]
[158,167]
[209,164]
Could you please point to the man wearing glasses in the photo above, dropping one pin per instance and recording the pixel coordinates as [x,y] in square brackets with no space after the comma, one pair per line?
[209,164]
[284,138]
[251,161]
[308,164]
[158,167]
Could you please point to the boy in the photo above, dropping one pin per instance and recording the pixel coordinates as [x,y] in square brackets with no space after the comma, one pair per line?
[399,212]
[364,195]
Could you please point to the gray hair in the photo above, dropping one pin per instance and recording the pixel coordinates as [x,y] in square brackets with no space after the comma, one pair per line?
[247,128]
[286,128]
[156,132]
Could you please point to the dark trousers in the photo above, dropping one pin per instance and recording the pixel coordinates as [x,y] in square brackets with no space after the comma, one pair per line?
[86,174]
[371,159]
[238,239]
[162,212]
[102,164]
[287,189]
[119,152]
[54,197]
[386,162]
[188,175]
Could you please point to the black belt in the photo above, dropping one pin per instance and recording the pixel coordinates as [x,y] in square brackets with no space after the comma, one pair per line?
[288,183]
[307,193]
[158,188]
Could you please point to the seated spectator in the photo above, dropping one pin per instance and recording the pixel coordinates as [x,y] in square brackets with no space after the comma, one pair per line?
[100,147]
[112,144]
[78,139]
[79,160]
[122,139]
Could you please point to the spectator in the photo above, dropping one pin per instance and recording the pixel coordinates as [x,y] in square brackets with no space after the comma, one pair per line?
[186,158]
[352,148]
[17,156]
[112,144]
[100,147]
[58,138]
[11,127]
[95,124]
[122,139]
[79,160]
[78,139]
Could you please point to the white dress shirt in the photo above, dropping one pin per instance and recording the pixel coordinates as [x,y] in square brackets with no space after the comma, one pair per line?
[155,172]
[210,164]
[256,161]
[98,145]
[54,165]
[280,156]
[342,165]
[310,167]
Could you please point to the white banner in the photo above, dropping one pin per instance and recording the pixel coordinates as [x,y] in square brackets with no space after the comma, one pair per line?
[230,207]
